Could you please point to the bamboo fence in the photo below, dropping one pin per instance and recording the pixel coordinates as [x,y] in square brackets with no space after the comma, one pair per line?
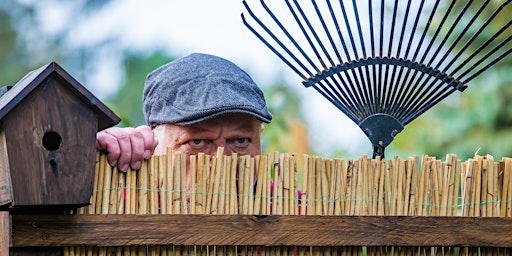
[276,184]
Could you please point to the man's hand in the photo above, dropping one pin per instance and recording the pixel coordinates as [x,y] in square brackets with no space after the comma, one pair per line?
[127,147]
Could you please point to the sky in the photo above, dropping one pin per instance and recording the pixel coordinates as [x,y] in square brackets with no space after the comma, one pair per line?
[213,27]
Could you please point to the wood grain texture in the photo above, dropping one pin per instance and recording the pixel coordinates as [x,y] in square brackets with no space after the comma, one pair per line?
[271,230]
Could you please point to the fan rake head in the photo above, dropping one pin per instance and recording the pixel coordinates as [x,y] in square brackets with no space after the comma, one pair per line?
[385,62]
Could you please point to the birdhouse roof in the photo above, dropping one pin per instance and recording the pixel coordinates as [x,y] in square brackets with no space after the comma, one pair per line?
[18,92]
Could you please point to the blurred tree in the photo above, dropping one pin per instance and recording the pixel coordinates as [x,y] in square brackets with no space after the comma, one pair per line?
[28,41]
[127,101]
[478,120]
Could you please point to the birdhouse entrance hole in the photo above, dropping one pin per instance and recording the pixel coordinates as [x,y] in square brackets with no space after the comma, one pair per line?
[52,140]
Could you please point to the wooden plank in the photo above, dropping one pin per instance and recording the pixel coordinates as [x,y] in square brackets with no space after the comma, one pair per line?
[272,230]
[5,233]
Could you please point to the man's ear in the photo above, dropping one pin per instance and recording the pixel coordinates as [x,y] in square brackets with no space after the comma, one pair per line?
[262,128]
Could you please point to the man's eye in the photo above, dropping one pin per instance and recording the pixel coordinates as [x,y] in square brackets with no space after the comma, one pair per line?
[241,140]
[196,141]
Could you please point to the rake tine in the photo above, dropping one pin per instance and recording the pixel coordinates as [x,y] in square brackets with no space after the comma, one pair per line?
[387,101]
[360,104]
[366,77]
[336,24]
[441,44]
[425,100]
[470,41]
[375,90]
[413,89]
[400,42]
[349,114]
[356,56]
[469,24]
[311,44]
[324,26]
[491,63]
[380,86]
[414,115]
[402,81]
[421,76]
[425,31]
[304,77]
[396,89]
[450,31]
[482,47]
[292,39]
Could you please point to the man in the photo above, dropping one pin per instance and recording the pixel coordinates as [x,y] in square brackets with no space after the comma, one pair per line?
[194,104]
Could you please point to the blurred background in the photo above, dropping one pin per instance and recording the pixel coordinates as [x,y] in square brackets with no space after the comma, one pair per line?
[111,45]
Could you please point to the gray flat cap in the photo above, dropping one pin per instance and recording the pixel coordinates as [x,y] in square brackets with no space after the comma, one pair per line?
[198,87]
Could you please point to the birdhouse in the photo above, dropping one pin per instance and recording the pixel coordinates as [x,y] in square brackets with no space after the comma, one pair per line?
[48,125]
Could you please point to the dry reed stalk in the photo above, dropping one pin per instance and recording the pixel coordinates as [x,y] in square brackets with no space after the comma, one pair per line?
[153,184]
[311,198]
[425,167]
[409,164]
[277,204]
[162,184]
[128,194]
[250,184]
[305,188]
[318,200]
[184,189]
[381,169]
[339,186]
[200,184]
[494,190]
[169,181]
[267,188]
[142,187]
[133,190]
[101,183]
[232,185]
[388,210]
[393,184]
[467,187]
[121,191]
[373,183]
[332,187]
[414,186]
[259,185]
[107,179]
[350,194]
[112,207]
[361,188]
[92,207]
[193,184]
[324,187]
[176,188]
[241,175]
[456,187]
[293,185]
[221,191]
[485,170]
[436,181]
[448,184]
[401,202]
[285,162]
[508,198]
[247,185]
[477,189]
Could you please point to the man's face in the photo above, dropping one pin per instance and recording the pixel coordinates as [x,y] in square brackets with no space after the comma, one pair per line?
[236,133]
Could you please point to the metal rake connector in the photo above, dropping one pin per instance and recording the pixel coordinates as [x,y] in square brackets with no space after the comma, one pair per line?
[384,63]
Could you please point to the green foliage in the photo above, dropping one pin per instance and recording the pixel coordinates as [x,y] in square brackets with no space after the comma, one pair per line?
[476,121]
[127,102]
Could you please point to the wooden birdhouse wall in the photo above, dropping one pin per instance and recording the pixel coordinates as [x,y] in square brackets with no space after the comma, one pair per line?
[50,144]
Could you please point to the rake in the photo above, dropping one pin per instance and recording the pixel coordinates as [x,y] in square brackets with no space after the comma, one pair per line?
[384,63]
